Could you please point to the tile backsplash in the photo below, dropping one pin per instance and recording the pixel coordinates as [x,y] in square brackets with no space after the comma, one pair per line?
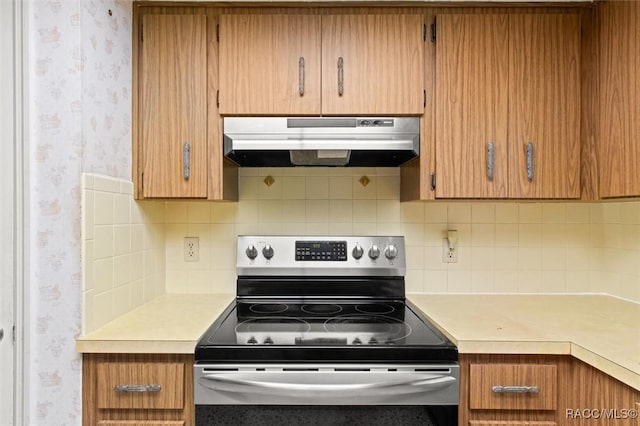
[504,247]
[133,251]
[123,259]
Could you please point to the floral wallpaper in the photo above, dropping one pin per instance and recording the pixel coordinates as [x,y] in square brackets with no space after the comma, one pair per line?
[106,87]
[79,83]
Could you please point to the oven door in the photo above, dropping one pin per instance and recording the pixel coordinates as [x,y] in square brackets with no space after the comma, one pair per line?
[319,384]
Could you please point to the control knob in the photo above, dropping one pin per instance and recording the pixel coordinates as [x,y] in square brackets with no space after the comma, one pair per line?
[391,252]
[267,251]
[357,251]
[374,252]
[251,252]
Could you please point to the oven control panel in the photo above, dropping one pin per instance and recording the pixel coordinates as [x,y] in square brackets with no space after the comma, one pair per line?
[271,255]
[321,250]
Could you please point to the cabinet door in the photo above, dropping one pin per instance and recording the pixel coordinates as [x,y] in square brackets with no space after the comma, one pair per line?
[270,64]
[173,107]
[372,64]
[471,94]
[544,106]
[619,98]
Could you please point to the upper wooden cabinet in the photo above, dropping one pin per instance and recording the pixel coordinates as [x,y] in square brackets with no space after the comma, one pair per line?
[330,64]
[508,106]
[173,106]
[177,130]
[270,64]
[373,64]
[618,36]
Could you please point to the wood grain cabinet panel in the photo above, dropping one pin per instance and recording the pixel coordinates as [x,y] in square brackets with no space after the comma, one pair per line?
[141,423]
[270,64]
[170,405]
[509,423]
[381,69]
[113,378]
[544,105]
[485,378]
[505,81]
[173,106]
[382,64]
[471,69]
[619,97]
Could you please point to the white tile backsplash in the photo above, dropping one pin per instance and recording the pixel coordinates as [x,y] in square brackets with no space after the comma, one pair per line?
[504,247]
[123,246]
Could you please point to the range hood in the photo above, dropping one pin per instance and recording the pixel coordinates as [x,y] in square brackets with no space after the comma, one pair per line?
[321,141]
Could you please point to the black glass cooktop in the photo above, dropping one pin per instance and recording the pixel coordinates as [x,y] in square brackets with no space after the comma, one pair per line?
[323,330]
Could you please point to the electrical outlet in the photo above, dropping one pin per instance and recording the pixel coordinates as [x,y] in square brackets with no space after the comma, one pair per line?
[449,256]
[191,249]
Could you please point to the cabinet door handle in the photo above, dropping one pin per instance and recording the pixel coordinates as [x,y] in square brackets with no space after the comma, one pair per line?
[515,389]
[186,159]
[301,76]
[530,164]
[137,388]
[340,76]
[490,160]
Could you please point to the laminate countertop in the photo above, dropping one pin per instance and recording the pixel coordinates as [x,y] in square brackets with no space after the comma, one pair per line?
[602,331]
[171,323]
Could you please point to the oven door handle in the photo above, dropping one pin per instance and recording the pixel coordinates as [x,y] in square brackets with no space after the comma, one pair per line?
[228,383]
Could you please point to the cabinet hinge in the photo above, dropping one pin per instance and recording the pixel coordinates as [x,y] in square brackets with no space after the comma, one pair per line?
[433,32]
[424,98]
[424,32]
[141,33]
[13,334]
[433,181]
[217,98]
[142,181]
[218,33]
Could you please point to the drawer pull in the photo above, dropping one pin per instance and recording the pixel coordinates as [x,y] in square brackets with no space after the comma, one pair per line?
[515,389]
[137,388]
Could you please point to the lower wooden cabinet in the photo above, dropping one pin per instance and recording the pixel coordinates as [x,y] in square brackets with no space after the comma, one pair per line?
[541,390]
[138,390]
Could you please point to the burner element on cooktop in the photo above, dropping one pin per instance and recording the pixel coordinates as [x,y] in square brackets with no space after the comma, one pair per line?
[321,309]
[268,308]
[380,328]
[375,308]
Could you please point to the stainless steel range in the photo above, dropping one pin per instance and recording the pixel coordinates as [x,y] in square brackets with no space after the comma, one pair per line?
[323,322]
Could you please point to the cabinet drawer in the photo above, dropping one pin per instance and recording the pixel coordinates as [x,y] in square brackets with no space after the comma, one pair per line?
[509,423]
[140,385]
[512,386]
[141,423]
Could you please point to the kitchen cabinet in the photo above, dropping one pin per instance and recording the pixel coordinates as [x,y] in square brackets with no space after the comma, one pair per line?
[138,389]
[302,64]
[512,389]
[592,389]
[270,64]
[618,37]
[173,108]
[565,385]
[507,121]
[176,131]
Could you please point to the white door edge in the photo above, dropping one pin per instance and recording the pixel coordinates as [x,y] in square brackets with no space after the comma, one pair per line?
[14,192]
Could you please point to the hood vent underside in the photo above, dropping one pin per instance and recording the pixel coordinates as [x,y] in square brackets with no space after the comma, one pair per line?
[323,141]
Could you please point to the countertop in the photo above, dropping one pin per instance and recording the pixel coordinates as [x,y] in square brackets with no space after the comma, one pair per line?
[172,323]
[602,331]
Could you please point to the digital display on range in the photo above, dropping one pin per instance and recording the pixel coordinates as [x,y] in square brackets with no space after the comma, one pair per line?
[321,250]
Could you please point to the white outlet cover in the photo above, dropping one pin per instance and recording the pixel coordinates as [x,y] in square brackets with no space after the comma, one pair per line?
[447,255]
[191,249]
